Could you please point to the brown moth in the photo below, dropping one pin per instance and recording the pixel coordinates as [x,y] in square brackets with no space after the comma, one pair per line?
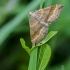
[40,20]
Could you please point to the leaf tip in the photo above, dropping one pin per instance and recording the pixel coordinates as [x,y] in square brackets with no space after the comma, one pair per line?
[21,39]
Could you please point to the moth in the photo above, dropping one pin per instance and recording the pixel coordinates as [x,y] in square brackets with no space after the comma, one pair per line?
[39,21]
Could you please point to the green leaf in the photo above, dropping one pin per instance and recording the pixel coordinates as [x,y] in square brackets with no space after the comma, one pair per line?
[47,38]
[44,56]
[24,46]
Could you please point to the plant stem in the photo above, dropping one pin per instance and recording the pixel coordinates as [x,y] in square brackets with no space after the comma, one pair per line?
[33,59]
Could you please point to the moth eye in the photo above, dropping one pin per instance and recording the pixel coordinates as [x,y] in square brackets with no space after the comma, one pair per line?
[60,7]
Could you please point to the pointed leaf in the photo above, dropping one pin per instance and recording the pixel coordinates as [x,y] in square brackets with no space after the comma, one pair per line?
[44,56]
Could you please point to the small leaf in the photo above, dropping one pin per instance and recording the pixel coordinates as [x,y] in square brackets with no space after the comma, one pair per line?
[24,46]
[44,56]
[48,37]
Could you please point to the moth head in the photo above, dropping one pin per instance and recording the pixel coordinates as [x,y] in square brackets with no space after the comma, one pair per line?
[59,7]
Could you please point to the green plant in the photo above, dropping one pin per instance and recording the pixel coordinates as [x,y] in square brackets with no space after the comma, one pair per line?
[39,54]
[39,62]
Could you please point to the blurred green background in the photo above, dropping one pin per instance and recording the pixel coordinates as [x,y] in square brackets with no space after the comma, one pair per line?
[14,24]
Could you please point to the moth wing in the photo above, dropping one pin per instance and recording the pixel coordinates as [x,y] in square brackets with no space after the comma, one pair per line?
[39,35]
[42,13]
[54,13]
[34,26]
[38,15]
[37,32]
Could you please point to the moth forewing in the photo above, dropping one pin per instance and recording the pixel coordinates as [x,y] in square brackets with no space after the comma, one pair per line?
[39,21]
